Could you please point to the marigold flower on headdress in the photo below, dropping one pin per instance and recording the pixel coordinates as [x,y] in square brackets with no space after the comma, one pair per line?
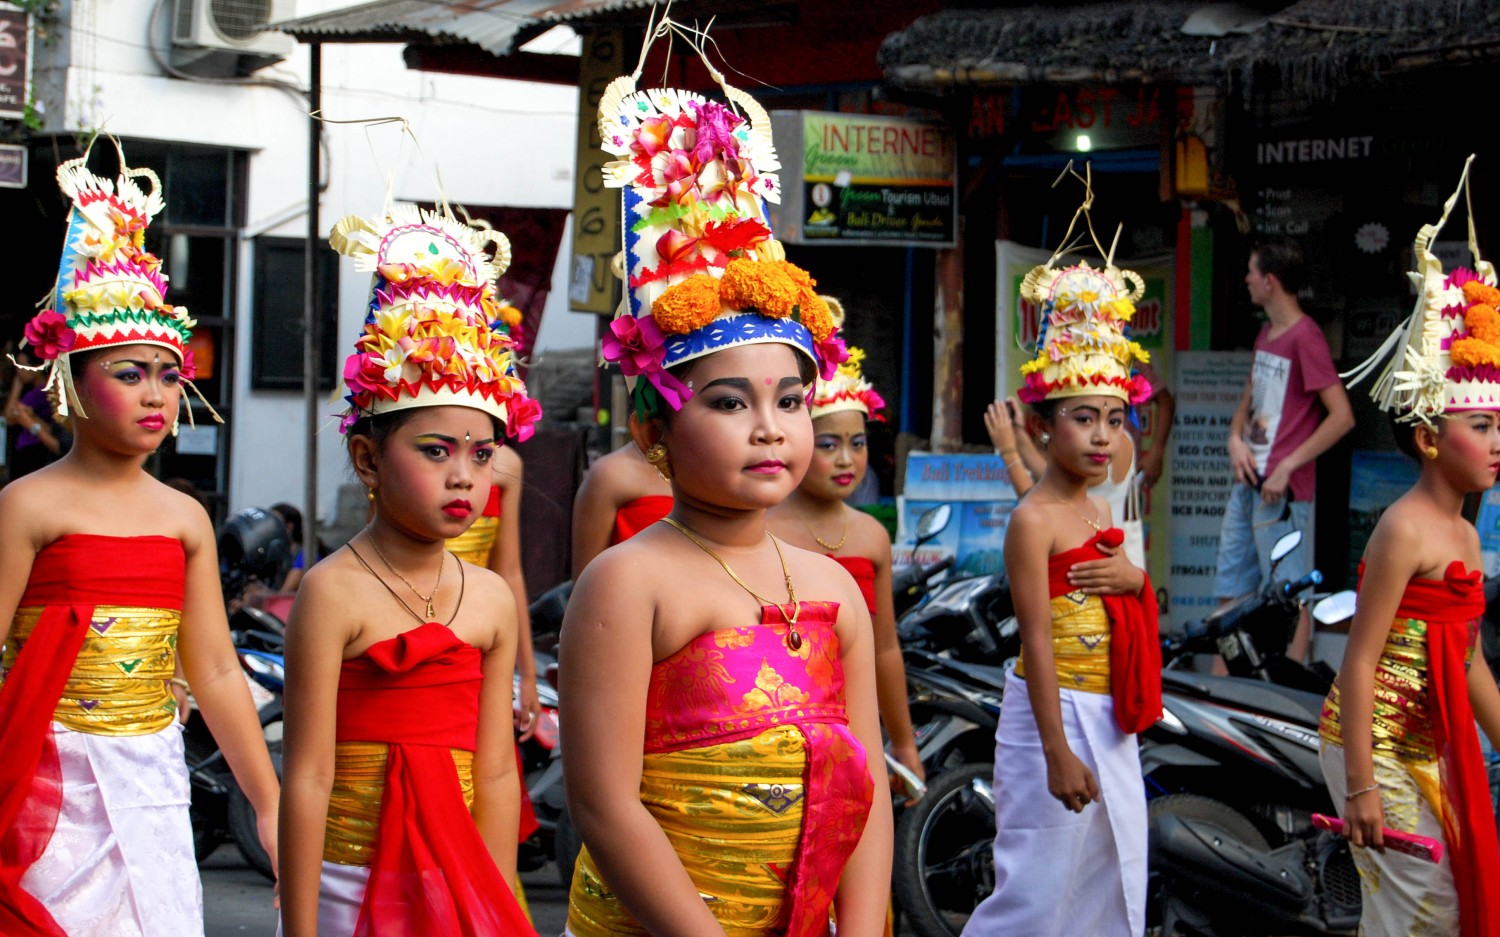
[688,305]
[765,287]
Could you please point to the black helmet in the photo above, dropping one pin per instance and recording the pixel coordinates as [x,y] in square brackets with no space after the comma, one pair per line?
[253,544]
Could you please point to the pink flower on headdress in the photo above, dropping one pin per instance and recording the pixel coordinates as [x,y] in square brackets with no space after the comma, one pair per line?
[348,421]
[636,345]
[831,353]
[364,373]
[189,367]
[715,131]
[1139,389]
[524,412]
[48,333]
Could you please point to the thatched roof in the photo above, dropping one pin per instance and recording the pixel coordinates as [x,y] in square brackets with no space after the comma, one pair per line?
[1313,46]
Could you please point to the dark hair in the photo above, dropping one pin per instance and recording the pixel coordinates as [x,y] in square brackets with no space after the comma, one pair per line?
[291,517]
[1044,410]
[1281,257]
[1406,436]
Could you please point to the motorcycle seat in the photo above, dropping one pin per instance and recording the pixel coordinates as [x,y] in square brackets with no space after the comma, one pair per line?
[1269,699]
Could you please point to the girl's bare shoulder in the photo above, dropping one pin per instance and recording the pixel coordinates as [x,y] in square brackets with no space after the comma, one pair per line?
[867,536]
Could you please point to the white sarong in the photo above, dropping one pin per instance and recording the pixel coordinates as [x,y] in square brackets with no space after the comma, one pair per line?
[1058,872]
[1401,895]
[120,861]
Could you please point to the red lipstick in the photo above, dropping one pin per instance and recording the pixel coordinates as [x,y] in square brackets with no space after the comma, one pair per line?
[154,422]
[458,508]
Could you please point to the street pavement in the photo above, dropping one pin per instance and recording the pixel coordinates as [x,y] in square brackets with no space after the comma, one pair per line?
[237,899]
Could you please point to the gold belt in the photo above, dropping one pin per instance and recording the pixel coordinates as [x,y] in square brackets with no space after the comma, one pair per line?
[474,545]
[733,813]
[354,801]
[1080,643]
[1401,722]
[119,682]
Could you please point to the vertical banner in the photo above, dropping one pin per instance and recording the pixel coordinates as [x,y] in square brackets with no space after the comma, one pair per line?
[15,61]
[1016,332]
[1208,389]
[596,210]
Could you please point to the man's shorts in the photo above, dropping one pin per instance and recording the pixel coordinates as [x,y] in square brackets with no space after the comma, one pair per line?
[1250,530]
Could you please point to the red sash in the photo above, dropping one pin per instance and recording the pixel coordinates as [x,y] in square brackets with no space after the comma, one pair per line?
[1134,644]
[69,577]
[432,873]
[1450,606]
[492,504]
[863,570]
[635,516]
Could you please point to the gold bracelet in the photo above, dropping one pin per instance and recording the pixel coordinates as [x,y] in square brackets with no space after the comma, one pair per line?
[1007,453]
[179,681]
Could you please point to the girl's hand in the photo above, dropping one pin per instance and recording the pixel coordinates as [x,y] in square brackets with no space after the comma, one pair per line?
[1364,819]
[265,826]
[1071,781]
[907,755]
[1000,423]
[1113,575]
[531,707]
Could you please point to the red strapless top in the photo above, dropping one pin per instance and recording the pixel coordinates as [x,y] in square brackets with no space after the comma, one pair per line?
[69,577]
[1450,606]
[1134,644]
[635,516]
[492,505]
[418,692]
[863,570]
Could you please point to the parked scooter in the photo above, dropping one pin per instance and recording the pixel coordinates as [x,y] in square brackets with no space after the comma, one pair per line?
[1234,762]
[965,619]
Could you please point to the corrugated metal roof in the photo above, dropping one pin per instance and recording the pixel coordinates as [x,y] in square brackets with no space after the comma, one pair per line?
[492,25]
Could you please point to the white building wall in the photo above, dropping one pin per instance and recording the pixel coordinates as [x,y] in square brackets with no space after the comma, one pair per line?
[496,142]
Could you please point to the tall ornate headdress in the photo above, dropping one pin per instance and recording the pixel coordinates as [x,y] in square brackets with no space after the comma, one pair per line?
[109,290]
[1446,357]
[1084,345]
[435,333]
[702,272]
[847,389]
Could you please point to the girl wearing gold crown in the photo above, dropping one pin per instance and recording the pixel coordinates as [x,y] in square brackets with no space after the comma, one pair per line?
[401,796]
[1070,811]
[718,684]
[1399,747]
[109,577]
[840,459]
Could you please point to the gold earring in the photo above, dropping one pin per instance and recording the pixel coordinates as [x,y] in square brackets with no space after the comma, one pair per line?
[1430,452]
[370,494]
[660,460]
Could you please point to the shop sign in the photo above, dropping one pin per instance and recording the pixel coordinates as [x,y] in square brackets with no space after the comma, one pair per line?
[865,179]
[15,60]
[1064,119]
[596,209]
[12,166]
[978,490]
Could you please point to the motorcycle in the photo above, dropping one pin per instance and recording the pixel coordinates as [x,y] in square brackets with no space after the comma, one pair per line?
[968,618]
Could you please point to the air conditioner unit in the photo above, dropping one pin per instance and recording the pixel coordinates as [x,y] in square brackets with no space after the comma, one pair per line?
[237,27]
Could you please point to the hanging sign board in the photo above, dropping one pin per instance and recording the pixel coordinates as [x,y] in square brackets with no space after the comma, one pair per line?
[865,179]
[12,166]
[15,60]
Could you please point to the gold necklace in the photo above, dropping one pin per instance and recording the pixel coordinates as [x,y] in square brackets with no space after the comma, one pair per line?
[1098,528]
[830,547]
[425,598]
[793,638]
[461,579]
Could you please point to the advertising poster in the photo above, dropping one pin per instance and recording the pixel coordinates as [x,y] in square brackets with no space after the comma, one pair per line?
[1151,326]
[979,492]
[1489,531]
[1208,387]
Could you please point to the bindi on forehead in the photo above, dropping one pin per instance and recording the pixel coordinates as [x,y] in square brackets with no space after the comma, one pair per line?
[768,382]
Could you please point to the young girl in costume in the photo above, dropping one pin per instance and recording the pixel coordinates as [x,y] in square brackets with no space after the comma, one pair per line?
[620,496]
[745,665]
[401,794]
[1070,809]
[109,576]
[840,459]
[1399,747]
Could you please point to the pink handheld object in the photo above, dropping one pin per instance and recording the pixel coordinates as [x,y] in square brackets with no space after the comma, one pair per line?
[1410,844]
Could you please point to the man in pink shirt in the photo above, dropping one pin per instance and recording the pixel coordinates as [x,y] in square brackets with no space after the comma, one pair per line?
[1293,410]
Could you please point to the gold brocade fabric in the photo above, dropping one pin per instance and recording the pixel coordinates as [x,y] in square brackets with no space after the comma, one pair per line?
[1080,643]
[1402,723]
[474,545]
[119,683]
[354,801]
[733,812]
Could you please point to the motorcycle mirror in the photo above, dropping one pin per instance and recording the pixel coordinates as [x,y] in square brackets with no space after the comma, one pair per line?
[933,521]
[1285,545]
[1334,609]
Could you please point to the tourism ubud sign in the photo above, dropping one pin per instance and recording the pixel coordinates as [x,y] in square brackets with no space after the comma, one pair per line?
[865,179]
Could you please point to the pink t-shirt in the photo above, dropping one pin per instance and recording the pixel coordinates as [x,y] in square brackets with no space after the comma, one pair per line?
[1289,371]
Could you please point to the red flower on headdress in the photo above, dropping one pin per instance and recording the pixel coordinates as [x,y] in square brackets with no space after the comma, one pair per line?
[48,333]
[189,367]
[831,353]
[364,373]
